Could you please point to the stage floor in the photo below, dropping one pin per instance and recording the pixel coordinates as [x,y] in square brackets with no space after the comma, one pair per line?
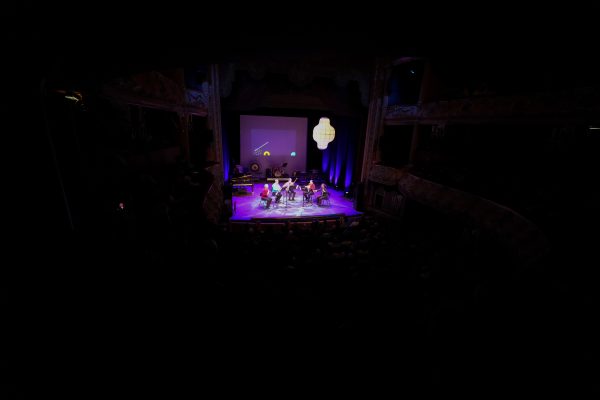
[246,206]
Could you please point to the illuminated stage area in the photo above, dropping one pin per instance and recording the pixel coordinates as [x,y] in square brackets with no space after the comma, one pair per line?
[247,206]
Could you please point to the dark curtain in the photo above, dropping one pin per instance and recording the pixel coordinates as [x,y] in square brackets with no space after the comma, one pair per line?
[231,143]
[226,154]
[339,156]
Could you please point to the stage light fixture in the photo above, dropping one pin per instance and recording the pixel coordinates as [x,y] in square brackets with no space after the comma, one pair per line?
[323,133]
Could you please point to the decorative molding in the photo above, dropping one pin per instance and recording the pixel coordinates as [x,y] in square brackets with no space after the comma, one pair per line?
[201,97]
[154,90]
[404,60]
[213,202]
[526,240]
[385,175]
[402,111]
[159,104]
[153,84]
[375,119]
[573,104]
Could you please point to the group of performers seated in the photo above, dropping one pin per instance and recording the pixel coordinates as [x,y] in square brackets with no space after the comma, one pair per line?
[288,188]
[309,190]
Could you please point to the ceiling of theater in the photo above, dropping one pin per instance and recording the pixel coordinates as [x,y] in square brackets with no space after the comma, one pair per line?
[102,41]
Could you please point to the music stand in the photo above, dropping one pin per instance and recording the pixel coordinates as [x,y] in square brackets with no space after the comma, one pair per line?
[287,195]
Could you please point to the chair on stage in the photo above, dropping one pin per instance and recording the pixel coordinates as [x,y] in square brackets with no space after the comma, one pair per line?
[323,197]
[325,200]
[263,201]
[307,198]
[276,199]
[291,194]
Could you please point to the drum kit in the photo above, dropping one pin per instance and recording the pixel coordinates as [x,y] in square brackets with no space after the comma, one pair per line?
[255,167]
[278,172]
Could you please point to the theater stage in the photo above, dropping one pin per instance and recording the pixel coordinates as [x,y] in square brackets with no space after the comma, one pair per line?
[246,206]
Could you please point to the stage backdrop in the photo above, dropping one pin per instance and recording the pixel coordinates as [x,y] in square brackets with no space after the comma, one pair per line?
[273,141]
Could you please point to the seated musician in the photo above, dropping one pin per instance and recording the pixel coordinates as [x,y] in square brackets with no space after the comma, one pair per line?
[276,190]
[309,190]
[289,188]
[265,195]
[324,194]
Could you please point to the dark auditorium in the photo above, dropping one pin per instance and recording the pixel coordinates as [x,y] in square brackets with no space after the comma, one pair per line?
[392,201]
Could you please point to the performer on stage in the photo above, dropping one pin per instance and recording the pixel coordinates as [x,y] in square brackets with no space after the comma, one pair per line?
[276,190]
[266,195]
[309,190]
[324,194]
[289,188]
